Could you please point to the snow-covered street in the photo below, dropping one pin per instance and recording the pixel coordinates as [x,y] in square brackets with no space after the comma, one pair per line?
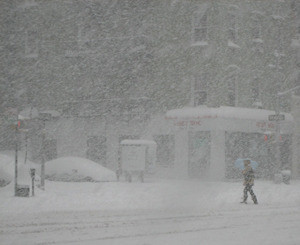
[155,212]
[139,122]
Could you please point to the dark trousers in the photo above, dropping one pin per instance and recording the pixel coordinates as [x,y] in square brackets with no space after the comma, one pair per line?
[248,188]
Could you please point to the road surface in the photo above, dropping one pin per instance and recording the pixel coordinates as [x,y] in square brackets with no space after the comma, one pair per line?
[242,224]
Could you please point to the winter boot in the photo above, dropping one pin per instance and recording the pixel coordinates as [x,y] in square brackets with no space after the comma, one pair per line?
[244,200]
[254,199]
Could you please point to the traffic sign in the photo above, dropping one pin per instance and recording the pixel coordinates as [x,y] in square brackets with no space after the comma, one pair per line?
[276,117]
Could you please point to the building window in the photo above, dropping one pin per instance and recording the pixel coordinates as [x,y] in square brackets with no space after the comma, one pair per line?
[255,89]
[200,89]
[232,27]
[199,154]
[96,149]
[200,29]
[232,91]
[281,38]
[165,150]
[256,25]
[89,27]
[231,79]
[256,30]
[31,44]
[200,26]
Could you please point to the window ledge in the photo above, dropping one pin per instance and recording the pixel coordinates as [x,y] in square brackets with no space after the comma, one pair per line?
[277,17]
[257,40]
[233,45]
[202,44]
[33,55]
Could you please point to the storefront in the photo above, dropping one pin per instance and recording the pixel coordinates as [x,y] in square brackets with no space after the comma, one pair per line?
[209,140]
[194,142]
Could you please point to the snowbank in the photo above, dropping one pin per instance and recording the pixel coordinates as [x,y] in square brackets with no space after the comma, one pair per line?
[154,194]
[62,169]
[7,169]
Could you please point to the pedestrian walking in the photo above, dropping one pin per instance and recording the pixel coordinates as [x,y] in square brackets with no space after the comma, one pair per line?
[248,174]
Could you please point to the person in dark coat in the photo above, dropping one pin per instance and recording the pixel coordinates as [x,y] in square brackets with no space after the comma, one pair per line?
[248,174]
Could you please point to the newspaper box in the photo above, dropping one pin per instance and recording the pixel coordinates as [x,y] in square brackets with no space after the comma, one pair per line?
[137,158]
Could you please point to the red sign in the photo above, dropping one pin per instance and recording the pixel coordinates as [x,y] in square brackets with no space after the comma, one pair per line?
[187,123]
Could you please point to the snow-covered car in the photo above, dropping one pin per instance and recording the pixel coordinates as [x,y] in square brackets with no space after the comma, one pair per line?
[76,169]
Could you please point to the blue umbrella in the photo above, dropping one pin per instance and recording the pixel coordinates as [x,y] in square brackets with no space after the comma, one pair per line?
[239,163]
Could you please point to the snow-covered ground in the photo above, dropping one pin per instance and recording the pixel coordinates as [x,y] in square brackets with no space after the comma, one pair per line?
[156,212]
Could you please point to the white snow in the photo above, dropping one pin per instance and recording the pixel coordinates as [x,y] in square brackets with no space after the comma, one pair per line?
[233,45]
[28,113]
[75,167]
[7,168]
[223,112]
[154,194]
[200,43]
[138,142]
[60,168]
[258,40]
[159,211]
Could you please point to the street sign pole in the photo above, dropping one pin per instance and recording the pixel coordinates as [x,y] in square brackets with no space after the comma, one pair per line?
[16,160]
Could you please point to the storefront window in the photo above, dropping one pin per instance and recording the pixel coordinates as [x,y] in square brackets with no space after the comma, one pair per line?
[199,154]
[256,147]
[165,150]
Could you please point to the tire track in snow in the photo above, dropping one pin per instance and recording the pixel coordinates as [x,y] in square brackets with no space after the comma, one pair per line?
[138,225]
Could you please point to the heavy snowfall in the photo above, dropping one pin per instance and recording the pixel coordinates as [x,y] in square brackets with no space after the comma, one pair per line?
[131,122]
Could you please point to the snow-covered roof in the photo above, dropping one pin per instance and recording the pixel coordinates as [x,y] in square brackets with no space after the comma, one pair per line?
[223,112]
[138,142]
